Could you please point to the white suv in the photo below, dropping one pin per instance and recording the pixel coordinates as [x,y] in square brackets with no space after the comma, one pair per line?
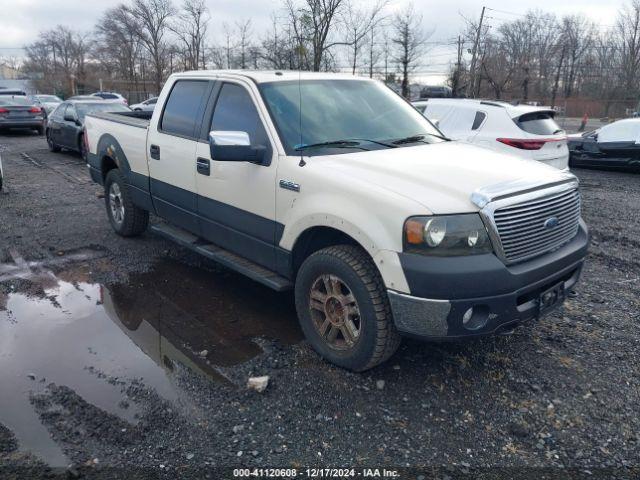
[526,131]
[111,97]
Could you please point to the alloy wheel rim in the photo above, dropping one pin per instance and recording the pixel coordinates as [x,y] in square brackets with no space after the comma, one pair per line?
[335,312]
[115,203]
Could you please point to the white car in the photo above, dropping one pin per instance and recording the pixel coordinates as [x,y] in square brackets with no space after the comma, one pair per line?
[523,130]
[111,97]
[48,102]
[332,186]
[146,106]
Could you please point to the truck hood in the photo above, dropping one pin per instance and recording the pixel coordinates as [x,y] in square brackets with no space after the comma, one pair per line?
[442,177]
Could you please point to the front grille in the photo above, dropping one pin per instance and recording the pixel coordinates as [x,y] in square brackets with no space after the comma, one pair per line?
[524,229]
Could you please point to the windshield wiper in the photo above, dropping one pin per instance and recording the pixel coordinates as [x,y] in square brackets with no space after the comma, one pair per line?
[417,138]
[333,143]
[345,143]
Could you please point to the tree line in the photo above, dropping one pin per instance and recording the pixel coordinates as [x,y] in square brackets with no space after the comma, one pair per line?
[535,56]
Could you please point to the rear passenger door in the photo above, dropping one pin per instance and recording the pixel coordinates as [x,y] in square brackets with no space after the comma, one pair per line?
[171,147]
[236,200]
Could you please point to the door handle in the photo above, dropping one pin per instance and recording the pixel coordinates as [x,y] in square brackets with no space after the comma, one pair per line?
[154,151]
[203,166]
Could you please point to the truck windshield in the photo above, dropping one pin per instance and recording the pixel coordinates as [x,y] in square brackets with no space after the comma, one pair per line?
[326,113]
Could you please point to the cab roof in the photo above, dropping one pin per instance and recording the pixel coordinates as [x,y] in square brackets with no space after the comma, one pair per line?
[264,76]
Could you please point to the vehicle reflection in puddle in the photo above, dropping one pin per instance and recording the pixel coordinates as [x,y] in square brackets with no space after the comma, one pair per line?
[139,330]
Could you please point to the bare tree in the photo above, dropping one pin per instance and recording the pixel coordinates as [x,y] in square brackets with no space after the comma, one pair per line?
[628,43]
[153,17]
[244,45]
[358,24]
[191,27]
[313,22]
[409,39]
[59,58]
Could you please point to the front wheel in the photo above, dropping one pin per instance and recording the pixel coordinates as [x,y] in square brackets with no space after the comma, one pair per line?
[125,217]
[343,308]
[52,145]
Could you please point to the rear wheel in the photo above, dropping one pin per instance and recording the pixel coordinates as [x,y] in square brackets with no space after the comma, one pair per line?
[125,217]
[343,308]
[52,145]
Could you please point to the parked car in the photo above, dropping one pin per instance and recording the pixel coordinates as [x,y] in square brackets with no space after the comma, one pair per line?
[66,123]
[616,145]
[522,130]
[47,102]
[12,92]
[379,225]
[436,92]
[111,97]
[20,112]
[146,106]
[89,98]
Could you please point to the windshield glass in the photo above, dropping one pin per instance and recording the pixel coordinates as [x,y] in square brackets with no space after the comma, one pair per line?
[16,101]
[342,110]
[84,108]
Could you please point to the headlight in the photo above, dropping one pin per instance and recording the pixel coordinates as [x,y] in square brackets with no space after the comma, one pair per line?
[446,235]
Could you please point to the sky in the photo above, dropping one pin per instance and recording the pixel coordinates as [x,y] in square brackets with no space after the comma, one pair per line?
[21,20]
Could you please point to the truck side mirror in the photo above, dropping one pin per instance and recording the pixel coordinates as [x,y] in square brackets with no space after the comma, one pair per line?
[232,146]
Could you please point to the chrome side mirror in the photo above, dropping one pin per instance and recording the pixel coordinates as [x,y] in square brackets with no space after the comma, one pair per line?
[219,137]
[232,146]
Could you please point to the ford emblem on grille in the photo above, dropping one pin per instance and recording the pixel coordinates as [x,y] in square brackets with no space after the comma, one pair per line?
[551,223]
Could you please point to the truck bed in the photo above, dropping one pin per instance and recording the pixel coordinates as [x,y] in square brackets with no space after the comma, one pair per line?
[133,119]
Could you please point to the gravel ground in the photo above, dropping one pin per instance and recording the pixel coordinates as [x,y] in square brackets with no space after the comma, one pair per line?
[558,399]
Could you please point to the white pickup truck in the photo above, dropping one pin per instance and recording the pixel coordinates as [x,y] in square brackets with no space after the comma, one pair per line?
[337,188]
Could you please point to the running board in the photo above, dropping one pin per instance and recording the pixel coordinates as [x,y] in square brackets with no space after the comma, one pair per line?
[224,257]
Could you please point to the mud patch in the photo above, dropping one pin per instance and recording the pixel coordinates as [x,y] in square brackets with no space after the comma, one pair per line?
[88,342]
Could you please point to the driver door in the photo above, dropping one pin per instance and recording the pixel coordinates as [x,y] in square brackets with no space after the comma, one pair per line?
[236,199]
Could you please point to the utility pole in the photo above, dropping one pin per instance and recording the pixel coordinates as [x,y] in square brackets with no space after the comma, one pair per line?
[458,72]
[472,70]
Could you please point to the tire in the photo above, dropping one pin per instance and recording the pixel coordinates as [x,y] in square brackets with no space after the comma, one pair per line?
[52,146]
[351,276]
[126,218]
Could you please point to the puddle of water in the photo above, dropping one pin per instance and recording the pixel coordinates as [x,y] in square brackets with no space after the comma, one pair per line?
[137,330]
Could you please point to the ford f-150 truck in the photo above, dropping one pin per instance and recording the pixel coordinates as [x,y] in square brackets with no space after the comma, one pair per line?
[337,188]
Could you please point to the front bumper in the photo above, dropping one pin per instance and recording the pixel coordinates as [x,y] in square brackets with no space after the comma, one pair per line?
[443,289]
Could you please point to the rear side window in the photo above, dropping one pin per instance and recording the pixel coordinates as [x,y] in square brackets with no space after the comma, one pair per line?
[181,109]
[107,96]
[235,111]
[538,123]
[478,120]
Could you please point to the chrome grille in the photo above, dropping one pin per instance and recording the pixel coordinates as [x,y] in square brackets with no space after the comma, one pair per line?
[524,230]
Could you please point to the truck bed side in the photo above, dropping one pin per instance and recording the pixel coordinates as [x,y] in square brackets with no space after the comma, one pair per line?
[120,141]
[122,138]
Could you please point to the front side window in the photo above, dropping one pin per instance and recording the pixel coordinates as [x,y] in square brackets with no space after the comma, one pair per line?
[235,111]
[71,111]
[182,106]
[309,112]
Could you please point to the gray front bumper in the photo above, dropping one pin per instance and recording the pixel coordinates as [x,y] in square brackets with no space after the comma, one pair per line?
[419,316]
